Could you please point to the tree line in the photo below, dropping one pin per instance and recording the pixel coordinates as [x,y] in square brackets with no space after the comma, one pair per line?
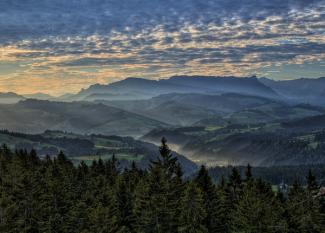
[53,195]
[274,174]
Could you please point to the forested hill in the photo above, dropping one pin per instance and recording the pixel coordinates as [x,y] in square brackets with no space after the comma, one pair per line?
[90,147]
[53,195]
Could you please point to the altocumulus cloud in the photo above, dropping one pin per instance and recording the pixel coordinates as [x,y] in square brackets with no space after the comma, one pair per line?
[78,42]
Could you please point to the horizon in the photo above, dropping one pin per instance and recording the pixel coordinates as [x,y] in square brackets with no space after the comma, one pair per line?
[162,78]
[58,47]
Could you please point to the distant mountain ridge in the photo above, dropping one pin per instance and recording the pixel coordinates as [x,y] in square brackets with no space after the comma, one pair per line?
[301,90]
[39,95]
[304,90]
[138,88]
[10,97]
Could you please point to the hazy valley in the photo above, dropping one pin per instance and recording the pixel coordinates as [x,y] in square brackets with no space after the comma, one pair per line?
[210,120]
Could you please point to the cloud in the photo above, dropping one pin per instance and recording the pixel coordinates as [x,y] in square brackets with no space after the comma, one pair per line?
[80,42]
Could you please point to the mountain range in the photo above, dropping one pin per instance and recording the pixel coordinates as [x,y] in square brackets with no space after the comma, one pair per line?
[213,120]
[307,91]
[137,88]
[311,91]
[302,90]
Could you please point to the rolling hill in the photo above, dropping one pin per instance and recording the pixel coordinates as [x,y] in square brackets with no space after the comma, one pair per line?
[89,147]
[308,123]
[274,112]
[36,116]
[258,144]
[187,109]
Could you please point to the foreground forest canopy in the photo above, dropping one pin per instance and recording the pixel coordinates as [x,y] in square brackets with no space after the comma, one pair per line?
[53,195]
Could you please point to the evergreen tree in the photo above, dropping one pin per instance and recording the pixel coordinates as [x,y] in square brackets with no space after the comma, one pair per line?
[312,185]
[156,203]
[77,217]
[124,202]
[222,211]
[248,173]
[234,186]
[213,205]
[142,205]
[53,195]
[235,181]
[191,219]
[103,219]
[303,211]
[257,212]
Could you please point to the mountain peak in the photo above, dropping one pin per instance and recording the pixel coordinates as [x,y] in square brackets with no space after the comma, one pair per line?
[141,88]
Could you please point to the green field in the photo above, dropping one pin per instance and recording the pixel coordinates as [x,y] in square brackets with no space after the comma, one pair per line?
[213,127]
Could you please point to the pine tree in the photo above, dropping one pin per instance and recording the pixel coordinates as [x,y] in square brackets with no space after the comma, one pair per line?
[235,180]
[156,201]
[222,211]
[112,170]
[312,185]
[103,219]
[124,202]
[212,204]
[77,217]
[166,161]
[234,185]
[55,202]
[9,209]
[256,212]
[248,173]
[191,219]
[303,211]
[142,207]
[53,195]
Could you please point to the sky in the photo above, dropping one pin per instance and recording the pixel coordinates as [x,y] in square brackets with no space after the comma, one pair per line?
[60,46]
